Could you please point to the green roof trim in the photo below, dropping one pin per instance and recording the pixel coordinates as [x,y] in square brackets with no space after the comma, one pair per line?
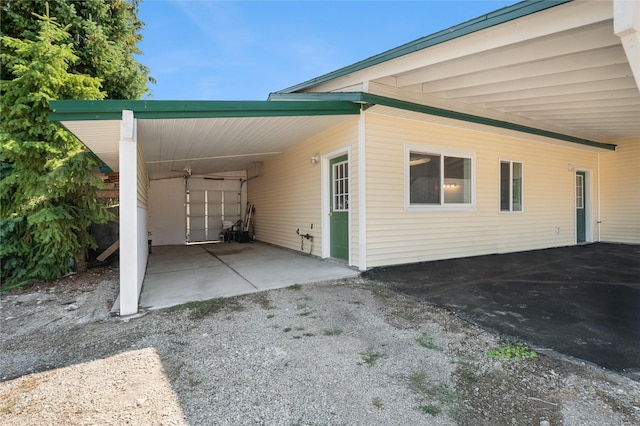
[410,106]
[369,99]
[491,19]
[74,110]
[280,105]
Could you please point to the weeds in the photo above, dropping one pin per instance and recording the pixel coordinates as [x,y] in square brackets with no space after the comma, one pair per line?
[499,373]
[418,383]
[377,402]
[374,287]
[510,350]
[466,369]
[440,393]
[371,357]
[295,287]
[201,308]
[332,332]
[430,409]
[427,342]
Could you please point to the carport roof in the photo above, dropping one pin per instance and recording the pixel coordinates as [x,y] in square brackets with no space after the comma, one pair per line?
[569,67]
[201,136]
[206,137]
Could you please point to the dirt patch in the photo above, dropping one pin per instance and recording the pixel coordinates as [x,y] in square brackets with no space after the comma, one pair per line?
[342,352]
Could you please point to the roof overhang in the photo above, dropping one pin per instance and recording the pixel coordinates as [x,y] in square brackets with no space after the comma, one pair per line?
[563,67]
[206,137]
[202,136]
[450,117]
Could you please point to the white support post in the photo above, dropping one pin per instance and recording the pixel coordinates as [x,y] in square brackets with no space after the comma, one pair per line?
[128,215]
[362,193]
[626,25]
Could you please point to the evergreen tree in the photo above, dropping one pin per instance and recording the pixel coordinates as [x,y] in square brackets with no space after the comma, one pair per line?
[104,36]
[47,189]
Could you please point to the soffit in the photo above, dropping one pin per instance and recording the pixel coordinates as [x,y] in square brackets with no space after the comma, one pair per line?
[561,69]
[171,146]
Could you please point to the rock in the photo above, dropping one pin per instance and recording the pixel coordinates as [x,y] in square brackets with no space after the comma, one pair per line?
[71,307]
[545,423]
[140,402]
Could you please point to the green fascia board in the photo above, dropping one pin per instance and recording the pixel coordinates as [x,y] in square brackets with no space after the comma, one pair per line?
[74,110]
[367,100]
[317,96]
[494,18]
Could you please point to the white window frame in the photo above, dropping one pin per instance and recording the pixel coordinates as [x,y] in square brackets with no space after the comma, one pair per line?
[442,152]
[510,211]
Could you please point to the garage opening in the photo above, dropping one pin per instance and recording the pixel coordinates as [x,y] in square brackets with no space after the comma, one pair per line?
[193,210]
[208,211]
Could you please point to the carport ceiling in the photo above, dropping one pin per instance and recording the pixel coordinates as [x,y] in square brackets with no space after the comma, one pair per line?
[559,67]
[174,140]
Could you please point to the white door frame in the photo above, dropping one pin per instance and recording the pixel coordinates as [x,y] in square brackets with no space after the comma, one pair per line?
[588,207]
[325,191]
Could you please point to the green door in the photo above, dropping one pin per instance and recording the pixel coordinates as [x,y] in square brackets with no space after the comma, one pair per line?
[339,208]
[581,202]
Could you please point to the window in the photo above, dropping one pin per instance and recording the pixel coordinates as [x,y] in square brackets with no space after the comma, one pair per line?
[510,186]
[579,191]
[438,179]
[341,187]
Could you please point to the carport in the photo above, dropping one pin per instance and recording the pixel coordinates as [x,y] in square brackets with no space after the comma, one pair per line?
[155,140]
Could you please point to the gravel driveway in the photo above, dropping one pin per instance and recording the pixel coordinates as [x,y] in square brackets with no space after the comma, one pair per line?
[346,352]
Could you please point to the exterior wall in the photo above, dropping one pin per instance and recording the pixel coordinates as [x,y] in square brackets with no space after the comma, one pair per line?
[167,221]
[167,212]
[141,216]
[620,193]
[395,236]
[287,194]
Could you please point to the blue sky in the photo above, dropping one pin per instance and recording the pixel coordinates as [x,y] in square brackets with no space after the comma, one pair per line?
[243,50]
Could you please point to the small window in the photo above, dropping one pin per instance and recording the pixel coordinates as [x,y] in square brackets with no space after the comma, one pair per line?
[341,187]
[579,192]
[510,186]
[439,180]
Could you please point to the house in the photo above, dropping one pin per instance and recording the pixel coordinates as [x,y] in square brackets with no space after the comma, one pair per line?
[515,131]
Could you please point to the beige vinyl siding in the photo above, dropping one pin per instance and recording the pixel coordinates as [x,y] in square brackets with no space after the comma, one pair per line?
[143,179]
[287,193]
[395,236]
[620,192]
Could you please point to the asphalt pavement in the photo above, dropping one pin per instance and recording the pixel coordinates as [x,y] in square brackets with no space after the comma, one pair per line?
[581,301]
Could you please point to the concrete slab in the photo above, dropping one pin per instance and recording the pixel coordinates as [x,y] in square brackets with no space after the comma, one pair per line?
[581,301]
[179,258]
[180,274]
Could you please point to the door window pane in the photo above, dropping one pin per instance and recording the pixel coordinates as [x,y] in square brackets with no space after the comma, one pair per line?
[579,192]
[341,186]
